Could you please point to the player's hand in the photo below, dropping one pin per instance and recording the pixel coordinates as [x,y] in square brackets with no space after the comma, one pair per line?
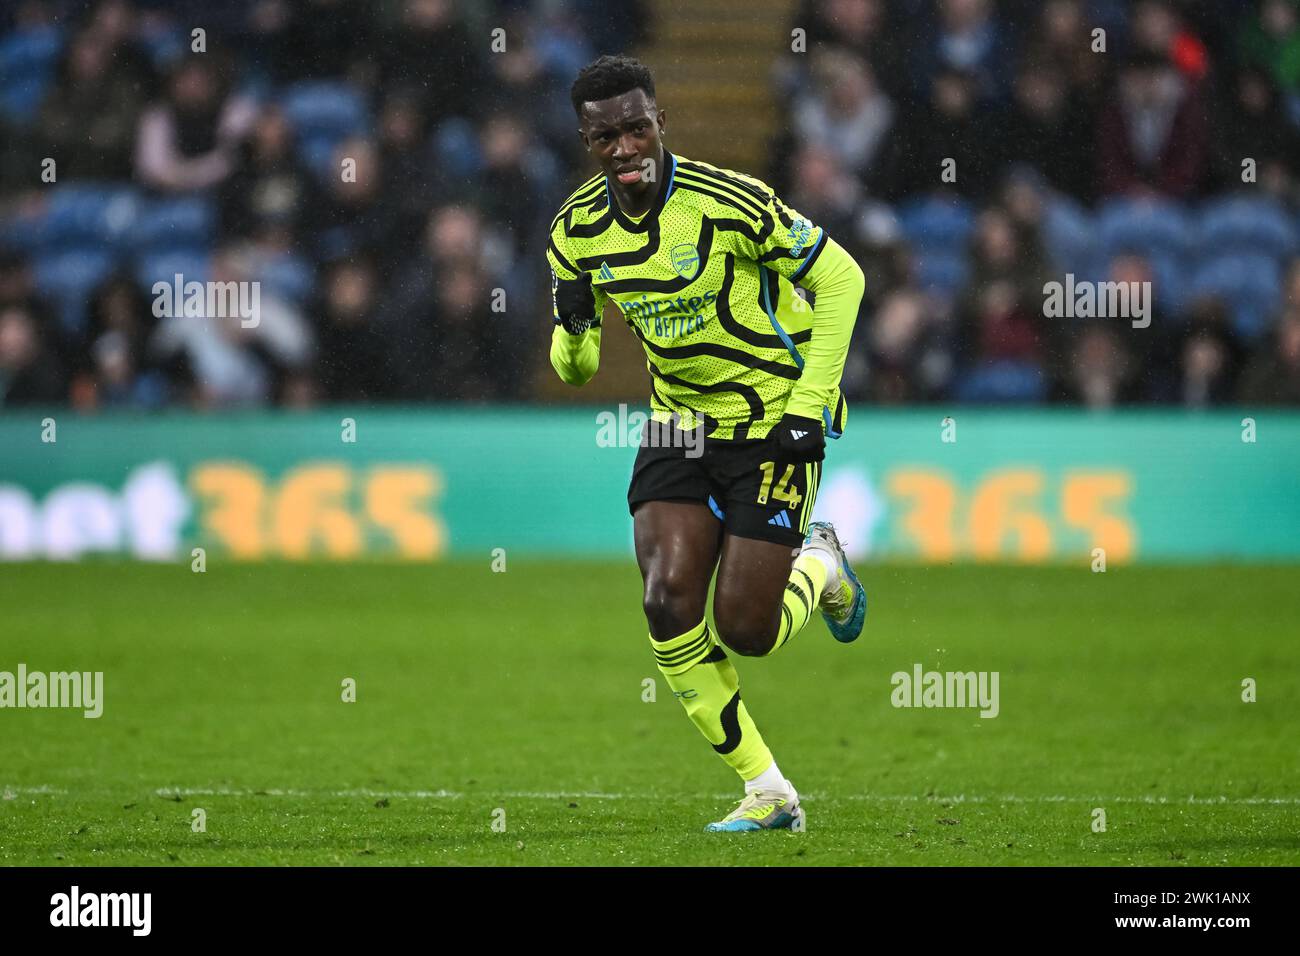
[799,438]
[575,303]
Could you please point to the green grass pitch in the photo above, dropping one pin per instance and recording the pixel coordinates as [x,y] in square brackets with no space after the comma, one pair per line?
[517,697]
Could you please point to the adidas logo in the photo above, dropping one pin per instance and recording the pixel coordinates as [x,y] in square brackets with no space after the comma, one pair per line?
[605,271]
[781,519]
[798,435]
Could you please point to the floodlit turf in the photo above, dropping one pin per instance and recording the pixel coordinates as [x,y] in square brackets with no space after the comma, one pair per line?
[518,697]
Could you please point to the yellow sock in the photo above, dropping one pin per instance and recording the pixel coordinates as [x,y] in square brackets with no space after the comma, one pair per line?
[706,683]
[802,592]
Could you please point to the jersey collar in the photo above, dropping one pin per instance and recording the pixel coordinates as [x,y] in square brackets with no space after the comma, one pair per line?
[661,198]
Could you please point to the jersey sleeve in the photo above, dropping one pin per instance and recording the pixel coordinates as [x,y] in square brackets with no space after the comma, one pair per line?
[777,236]
[839,283]
[575,358]
[563,267]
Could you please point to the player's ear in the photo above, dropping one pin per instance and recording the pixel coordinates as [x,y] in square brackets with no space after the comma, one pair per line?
[662,119]
[585,142]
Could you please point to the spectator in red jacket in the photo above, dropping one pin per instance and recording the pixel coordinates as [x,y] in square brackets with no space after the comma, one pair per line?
[1153,133]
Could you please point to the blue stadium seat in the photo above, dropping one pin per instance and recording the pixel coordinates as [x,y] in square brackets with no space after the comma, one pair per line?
[455,143]
[164,45]
[32,50]
[88,216]
[1070,236]
[24,232]
[194,265]
[1247,224]
[942,272]
[937,223]
[1249,284]
[323,114]
[1094,269]
[20,98]
[318,153]
[67,278]
[323,108]
[182,222]
[1148,226]
[28,60]
[1002,381]
[287,277]
[1171,275]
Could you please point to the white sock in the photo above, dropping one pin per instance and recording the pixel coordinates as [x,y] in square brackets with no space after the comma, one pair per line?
[832,568]
[769,779]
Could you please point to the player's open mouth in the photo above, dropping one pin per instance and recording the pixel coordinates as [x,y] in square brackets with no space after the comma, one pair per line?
[629,176]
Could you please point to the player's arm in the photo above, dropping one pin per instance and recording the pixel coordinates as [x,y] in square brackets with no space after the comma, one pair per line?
[575,364]
[838,283]
[576,308]
[785,241]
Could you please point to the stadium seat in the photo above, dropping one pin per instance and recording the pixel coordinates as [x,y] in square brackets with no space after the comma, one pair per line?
[1147,226]
[28,60]
[937,223]
[288,277]
[333,109]
[938,229]
[22,232]
[80,215]
[322,114]
[193,265]
[318,153]
[1070,236]
[163,45]
[20,98]
[455,143]
[1171,279]
[184,222]
[67,278]
[30,50]
[1002,381]
[1249,284]
[942,272]
[1247,225]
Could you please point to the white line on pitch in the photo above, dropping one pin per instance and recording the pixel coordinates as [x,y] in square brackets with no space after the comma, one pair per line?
[10,793]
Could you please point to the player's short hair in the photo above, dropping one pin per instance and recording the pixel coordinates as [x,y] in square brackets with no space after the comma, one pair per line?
[608,76]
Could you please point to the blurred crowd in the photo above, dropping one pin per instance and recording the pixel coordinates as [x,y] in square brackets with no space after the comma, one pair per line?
[1145,141]
[387,177]
[383,175]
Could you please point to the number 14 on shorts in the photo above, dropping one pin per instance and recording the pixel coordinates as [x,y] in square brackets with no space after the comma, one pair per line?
[783,491]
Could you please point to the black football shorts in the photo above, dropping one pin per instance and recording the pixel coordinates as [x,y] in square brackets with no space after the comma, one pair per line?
[754,490]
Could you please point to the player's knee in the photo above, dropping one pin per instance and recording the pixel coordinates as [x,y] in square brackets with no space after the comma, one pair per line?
[670,605]
[740,626]
[743,637]
[748,644]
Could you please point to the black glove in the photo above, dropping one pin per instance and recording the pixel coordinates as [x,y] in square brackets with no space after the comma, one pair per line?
[575,303]
[800,439]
